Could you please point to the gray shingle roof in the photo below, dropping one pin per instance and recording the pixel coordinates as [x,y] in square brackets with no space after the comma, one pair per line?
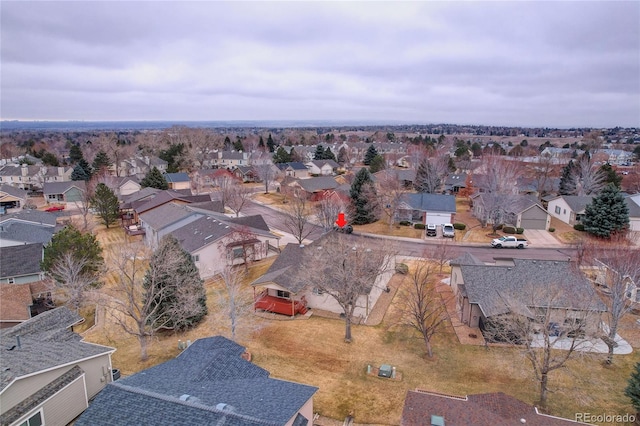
[577,203]
[176,177]
[517,203]
[165,215]
[62,187]
[283,271]
[319,183]
[634,209]
[15,192]
[193,388]
[529,283]
[408,175]
[431,202]
[20,260]
[46,341]
[26,233]
[35,217]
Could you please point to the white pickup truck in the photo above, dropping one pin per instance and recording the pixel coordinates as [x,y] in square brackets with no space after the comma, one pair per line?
[509,241]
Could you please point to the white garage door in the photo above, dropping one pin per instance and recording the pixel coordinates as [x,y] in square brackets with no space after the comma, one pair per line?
[634,224]
[438,218]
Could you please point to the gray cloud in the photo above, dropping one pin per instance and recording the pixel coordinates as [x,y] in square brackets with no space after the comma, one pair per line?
[513,63]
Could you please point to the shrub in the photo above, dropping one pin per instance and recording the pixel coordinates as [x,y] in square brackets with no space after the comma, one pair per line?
[499,227]
[402,268]
[459,226]
[419,226]
[552,229]
[405,223]
[578,227]
[519,230]
[508,229]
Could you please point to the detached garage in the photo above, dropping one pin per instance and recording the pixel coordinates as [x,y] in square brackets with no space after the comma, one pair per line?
[427,208]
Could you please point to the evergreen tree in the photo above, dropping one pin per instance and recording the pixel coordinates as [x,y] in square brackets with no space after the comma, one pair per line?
[101,161]
[106,203]
[176,283]
[610,175]
[377,164]
[270,143]
[154,179]
[607,213]
[237,145]
[319,154]
[633,387]
[75,154]
[173,156]
[427,179]
[342,155]
[568,180]
[79,245]
[261,144]
[79,173]
[281,156]
[362,195]
[370,155]
[293,155]
[227,144]
[49,159]
[329,155]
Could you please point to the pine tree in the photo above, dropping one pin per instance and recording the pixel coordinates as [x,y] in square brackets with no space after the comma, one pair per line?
[154,179]
[81,246]
[281,156]
[271,144]
[237,145]
[227,144]
[370,155]
[362,198]
[607,213]
[261,144]
[319,154]
[342,155]
[101,161]
[377,164]
[610,175]
[568,180]
[181,301]
[75,154]
[633,387]
[329,155]
[105,202]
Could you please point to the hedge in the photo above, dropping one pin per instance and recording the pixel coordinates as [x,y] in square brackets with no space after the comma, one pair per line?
[519,230]
[402,268]
[419,226]
[405,223]
[552,229]
[508,229]
[578,227]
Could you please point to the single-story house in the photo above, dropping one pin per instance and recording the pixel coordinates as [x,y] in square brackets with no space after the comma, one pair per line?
[214,241]
[422,407]
[11,198]
[134,209]
[178,180]
[453,183]
[521,211]
[47,373]
[405,176]
[569,208]
[20,264]
[246,174]
[163,220]
[25,227]
[322,167]
[212,382]
[294,169]
[484,291]
[64,192]
[314,188]
[283,285]
[427,208]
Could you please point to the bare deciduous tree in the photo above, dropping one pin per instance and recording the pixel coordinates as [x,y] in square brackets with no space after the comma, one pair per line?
[263,165]
[542,173]
[499,186]
[442,252]
[238,195]
[590,179]
[327,211]
[421,306]
[347,268]
[296,216]
[391,191]
[71,277]
[241,244]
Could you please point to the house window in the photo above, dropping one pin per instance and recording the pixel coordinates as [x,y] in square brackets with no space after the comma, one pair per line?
[317,291]
[238,252]
[35,420]
[557,209]
[195,258]
[564,211]
[283,294]
[11,280]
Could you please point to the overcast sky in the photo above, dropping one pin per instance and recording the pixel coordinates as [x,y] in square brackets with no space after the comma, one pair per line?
[556,64]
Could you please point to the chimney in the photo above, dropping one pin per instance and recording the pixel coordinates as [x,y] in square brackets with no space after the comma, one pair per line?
[60,171]
[24,169]
[18,342]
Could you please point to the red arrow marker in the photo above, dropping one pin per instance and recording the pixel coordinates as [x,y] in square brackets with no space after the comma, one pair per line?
[341,222]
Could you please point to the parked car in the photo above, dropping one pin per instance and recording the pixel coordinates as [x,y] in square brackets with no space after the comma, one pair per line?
[54,209]
[431,230]
[509,241]
[347,229]
[448,230]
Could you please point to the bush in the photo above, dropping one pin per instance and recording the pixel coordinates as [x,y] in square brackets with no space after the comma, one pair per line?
[552,229]
[459,226]
[508,229]
[419,226]
[578,227]
[405,223]
[402,268]
[499,227]
[519,230]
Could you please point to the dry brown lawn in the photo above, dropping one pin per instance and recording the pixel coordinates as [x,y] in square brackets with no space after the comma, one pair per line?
[380,227]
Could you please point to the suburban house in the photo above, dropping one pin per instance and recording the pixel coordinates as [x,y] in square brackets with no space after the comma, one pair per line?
[163,220]
[211,382]
[294,169]
[427,208]
[33,177]
[569,208]
[521,211]
[20,264]
[47,373]
[246,174]
[138,166]
[19,302]
[122,186]
[314,188]
[178,180]
[405,176]
[615,157]
[150,199]
[215,241]
[283,289]
[11,198]
[211,178]
[229,159]
[422,407]
[453,183]
[484,291]
[322,167]
[606,274]
[26,226]
[65,192]
[633,204]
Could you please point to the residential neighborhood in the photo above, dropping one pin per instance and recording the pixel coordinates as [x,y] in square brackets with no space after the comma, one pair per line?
[281,281]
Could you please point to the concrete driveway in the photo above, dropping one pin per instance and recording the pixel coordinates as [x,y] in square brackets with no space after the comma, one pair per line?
[541,238]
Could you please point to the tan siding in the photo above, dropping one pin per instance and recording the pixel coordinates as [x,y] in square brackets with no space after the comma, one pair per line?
[306,410]
[66,405]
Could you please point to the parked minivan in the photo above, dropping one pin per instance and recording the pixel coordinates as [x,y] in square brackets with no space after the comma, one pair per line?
[448,230]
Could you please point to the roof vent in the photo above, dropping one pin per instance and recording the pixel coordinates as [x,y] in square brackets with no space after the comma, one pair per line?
[301,245]
[185,397]
[224,407]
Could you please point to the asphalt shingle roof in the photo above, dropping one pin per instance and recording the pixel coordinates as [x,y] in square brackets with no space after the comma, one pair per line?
[20,260]
[431,202]
[634,209]
[165,215]
[35,217]
[46,341]
[26,233]
[15,192]
[209,383]
[283,271]
[577,203]
[62,187]
[176,177]
[319,183]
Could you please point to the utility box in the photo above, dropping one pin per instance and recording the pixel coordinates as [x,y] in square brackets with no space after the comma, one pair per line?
[385,371]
